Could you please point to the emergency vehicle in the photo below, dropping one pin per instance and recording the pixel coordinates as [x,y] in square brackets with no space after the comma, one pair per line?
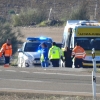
[29,54]
[87,33]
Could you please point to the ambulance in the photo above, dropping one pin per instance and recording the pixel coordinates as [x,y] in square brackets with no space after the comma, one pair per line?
[87,33]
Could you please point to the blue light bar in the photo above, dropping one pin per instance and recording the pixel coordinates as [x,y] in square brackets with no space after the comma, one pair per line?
[43,38]
[39,39]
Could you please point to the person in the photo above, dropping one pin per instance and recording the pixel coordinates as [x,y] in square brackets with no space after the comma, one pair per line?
[6,50]
[66,57]
[44,55]
[79,53]
[54,55]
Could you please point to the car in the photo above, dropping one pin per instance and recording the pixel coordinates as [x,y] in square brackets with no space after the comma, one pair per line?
[29,54]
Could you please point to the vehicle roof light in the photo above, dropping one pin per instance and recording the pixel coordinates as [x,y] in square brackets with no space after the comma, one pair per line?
[39,39]
[42,38]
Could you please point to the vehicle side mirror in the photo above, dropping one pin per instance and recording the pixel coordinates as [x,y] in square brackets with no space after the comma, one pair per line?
[19,50]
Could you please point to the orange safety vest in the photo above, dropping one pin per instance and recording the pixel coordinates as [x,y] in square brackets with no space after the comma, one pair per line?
[79,52]
[6,49]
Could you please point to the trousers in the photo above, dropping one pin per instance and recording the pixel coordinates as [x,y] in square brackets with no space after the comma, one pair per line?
[7,59]
[55,62]
[78,62]
[44,64]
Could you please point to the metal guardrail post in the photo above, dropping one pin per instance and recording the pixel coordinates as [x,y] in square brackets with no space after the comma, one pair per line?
[94,74]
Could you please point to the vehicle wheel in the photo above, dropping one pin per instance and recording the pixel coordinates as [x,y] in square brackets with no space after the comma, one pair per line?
[26,65]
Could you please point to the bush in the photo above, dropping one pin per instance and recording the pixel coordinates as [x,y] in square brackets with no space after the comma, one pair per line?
[51,23]
[2,20]
[11,12]
[28,17]
[81,13]
[7,32]
[44,24]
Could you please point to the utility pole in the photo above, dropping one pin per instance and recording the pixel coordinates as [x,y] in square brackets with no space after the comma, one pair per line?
[95,13]
[49,14]
[54,9]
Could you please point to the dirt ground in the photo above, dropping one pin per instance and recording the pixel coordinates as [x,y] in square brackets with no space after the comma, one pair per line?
[55,33]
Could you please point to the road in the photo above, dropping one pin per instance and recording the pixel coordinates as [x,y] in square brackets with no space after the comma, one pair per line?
[52,80]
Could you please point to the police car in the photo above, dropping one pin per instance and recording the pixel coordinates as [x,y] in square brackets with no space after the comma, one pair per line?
[29,54]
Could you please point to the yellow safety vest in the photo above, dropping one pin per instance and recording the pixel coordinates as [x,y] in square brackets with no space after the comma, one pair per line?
[42,58]
[54,53]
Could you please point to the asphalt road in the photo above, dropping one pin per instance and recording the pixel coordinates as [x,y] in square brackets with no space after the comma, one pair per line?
[52,80]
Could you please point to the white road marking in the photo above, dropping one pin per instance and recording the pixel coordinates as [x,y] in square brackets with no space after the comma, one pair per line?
[20,80]
[39,81]
[48,91]
[62,74]
[10,70]
[24,71]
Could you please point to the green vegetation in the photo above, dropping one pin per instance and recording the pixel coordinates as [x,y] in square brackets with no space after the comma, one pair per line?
[38,17]
[2,20]
[34,16]
[28,17]
[81,13]
[37,96]
[6,31]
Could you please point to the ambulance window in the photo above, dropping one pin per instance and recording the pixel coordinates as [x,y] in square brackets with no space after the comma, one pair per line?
[97,43]
[84,42]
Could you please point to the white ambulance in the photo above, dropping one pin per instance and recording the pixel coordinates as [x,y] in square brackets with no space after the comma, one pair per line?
[87,33]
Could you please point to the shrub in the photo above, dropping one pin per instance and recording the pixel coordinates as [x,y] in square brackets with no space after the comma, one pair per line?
[28,17]
[81,13]
[2,20]
[6,31]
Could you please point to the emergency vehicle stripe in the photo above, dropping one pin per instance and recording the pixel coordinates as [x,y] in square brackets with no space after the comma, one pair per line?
[1,50]
[79,53]
[7,54]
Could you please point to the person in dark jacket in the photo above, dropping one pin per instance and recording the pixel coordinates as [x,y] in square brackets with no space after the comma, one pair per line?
[66,57]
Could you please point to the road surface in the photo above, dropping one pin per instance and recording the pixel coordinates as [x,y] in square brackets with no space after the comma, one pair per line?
[52,80]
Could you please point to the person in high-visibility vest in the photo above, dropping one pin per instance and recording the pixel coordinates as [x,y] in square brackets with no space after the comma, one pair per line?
[44,55]
[54,55]
[66,57]
[6,50]
[79,54]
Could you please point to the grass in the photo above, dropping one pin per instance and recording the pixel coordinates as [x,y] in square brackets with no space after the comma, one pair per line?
[35,96]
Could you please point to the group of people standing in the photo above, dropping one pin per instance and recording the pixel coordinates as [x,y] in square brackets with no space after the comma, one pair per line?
[54,54]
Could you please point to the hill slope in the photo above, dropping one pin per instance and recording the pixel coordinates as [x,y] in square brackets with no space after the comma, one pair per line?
[60,8]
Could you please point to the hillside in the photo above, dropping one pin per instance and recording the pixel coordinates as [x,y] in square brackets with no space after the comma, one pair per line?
[60,8]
